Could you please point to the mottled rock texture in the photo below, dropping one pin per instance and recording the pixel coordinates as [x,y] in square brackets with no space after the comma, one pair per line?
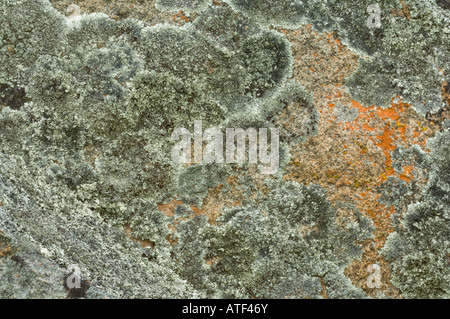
[91,91]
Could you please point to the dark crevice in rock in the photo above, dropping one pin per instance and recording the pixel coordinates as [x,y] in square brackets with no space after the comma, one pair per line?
[444,4]
[12,96]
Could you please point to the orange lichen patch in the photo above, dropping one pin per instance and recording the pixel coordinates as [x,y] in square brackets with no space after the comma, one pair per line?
[386,143]
[216,200]
[172,240]
[180,16]
[212,261]
[169,209]
[407,175]
[323,293]
[318,57]
[5,251]
[351,156]
[143,242]
[446,92]
[351,159]
[211,207]
[403,12]
[391,113]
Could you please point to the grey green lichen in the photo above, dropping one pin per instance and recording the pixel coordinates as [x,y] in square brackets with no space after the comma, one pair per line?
[420,250]
[86,153]
[184,5]
[409,55]
[277,246]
